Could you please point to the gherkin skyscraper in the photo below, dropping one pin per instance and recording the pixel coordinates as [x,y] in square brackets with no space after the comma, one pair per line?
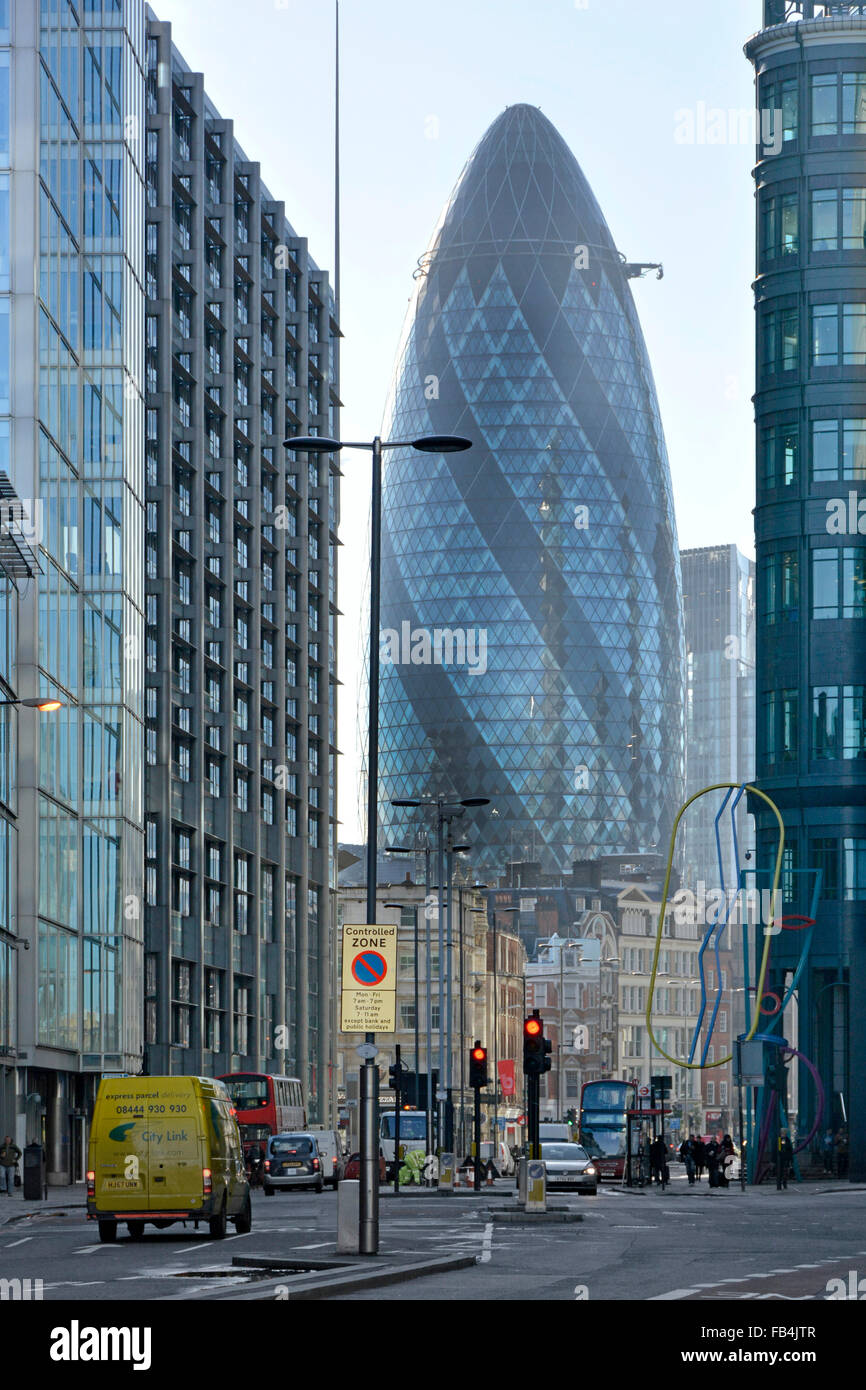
[531,642]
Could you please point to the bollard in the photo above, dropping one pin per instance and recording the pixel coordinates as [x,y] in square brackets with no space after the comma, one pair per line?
[348,1216]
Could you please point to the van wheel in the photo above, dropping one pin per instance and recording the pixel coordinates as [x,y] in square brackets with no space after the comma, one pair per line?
[244,1220]
[108,1232]
[218,1225]
[268,1190]
[136,1230]
[320,1185]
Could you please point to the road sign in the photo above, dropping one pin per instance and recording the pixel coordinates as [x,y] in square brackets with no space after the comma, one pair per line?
[369,993]
[367,1051]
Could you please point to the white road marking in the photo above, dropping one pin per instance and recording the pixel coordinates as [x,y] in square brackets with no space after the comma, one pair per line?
[487,1244]
[91,1249]
[22,1241]
[675,1293]
[319,1245]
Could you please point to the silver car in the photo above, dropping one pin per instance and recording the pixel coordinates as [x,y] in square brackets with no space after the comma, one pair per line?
[292,1160]
[569,1165]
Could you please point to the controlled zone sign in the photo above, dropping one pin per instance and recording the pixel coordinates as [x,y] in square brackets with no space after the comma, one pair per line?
[368,999]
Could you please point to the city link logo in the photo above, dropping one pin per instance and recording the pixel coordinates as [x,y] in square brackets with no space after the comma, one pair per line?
[77,1343]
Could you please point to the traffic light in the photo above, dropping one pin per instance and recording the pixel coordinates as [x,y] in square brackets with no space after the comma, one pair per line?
[396,1075]
[777,1074]
[536,1046]
[571,1117]
[478,1067]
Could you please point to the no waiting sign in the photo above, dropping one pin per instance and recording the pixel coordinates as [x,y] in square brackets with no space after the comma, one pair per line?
[369,983]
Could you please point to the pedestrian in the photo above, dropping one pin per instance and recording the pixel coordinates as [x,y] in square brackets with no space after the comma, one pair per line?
[687,1155]
[841,1146]
[784,1159]
[658,1161]
[700,1157]
[9,1156]
[714,1158]
[828,1152]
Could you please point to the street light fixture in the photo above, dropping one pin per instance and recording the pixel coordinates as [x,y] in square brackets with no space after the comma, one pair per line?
[47,704]
[368,1243]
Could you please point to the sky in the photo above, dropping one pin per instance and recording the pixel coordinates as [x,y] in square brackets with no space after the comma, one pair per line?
[636,88]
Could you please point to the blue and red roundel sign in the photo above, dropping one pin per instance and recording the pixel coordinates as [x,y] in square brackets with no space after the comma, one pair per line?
[369,968]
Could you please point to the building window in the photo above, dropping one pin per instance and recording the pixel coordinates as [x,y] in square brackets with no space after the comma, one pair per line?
[825,219]
[825,335]
[825,116]
[824,856]
[781,588]
[711,1093]
[781,725]
[854,871]
[838,450]
[407,1014]
[781,226]
[854,103]
[839,583]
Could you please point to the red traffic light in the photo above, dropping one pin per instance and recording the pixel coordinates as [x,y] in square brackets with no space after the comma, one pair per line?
[532,1027]
[479,1054]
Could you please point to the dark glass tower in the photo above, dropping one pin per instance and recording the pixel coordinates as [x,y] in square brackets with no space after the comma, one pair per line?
[810,61]
[531,611]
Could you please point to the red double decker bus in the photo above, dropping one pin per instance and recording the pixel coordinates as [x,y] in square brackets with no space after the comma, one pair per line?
[604,1107]
[265,1105]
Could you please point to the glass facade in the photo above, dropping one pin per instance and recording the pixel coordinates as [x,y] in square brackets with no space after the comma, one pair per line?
[811,557]
[719,607]
[531,642]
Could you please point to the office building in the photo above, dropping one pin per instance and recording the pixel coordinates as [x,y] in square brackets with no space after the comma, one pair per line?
[531,606]
[240,620]
[810,291]
[719,612]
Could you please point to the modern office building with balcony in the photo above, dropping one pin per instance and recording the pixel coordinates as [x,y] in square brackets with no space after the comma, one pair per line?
[810,63]
[240,616]
[719,612]
[532,646]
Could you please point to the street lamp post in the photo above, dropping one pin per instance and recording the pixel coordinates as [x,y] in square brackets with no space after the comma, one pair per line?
[368,1235]
[502,912]
[446,811]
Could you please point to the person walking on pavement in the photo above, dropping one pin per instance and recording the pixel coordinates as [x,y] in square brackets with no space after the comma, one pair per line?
[658,1161]
[784,1159]
[9,1156]
[700,1157]
[714,1157]
[687,1155]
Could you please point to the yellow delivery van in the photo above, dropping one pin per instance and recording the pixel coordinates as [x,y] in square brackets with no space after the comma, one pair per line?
[166,1149]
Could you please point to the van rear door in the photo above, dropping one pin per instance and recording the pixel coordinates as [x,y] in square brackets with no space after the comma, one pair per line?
[119,1149]
[175,1150]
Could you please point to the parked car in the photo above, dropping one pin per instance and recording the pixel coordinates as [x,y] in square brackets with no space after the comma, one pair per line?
[353,1167]
[293,1160]
[330,1143]
[569,1165]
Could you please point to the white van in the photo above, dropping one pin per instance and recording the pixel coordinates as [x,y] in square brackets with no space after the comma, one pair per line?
[330,1145]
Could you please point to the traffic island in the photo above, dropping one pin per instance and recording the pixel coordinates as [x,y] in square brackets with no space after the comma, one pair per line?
[519,1217]
[296,1279]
